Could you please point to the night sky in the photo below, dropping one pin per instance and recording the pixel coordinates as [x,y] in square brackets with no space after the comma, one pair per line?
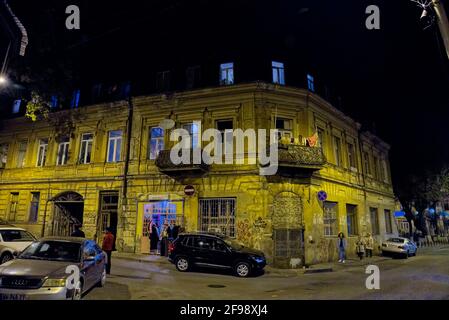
[394,81]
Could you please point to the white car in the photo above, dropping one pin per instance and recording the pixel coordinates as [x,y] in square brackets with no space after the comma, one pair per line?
[399,246]
[13,240]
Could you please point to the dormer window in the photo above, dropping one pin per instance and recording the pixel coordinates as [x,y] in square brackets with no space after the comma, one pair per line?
[278,72]
[227,73]
[311,83]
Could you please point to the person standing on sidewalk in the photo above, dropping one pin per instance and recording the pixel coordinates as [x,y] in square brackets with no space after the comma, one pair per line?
[369,245]
[360,247]
[342,244]
[108,246]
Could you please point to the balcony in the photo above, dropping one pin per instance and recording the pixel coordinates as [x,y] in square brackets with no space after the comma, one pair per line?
[165,165]
[300,160]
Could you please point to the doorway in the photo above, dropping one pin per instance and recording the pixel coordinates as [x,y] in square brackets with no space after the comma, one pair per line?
[68,212]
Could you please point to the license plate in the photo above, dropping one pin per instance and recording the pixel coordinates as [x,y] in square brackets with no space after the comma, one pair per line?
[12,297]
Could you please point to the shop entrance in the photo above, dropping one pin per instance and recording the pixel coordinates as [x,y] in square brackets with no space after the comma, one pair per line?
[160,218]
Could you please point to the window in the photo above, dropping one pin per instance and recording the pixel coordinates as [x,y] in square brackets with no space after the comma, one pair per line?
[351,156]
[193,75]
[163,81]
[310,83]
[222,126]
[321,138]
[351,211]
[34,207]
[278,72]
[330,218]
[16,106]
[42,152]
[384,169]
[156,142]
[227,73]
[218,215]
[376,167]
[63,152]
[374,221]
[54,101]
[17,236]
[366,163]
[114,146]
[284,127]
[21,154]
[193,130]
[388,223]
[86,148]
[75,99]
[337,151]
[13,206]
[288,243]
[4,148]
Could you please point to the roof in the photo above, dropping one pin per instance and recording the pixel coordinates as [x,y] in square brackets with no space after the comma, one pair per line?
[64,239]
[10,227]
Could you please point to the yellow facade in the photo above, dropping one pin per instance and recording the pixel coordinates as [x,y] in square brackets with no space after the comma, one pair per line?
[279,214]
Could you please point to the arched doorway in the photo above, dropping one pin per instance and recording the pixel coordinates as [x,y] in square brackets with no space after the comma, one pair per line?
[68,211]
[288,230]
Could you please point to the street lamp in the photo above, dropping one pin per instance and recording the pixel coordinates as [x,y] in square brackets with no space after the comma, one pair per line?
[433,10]
[3,80]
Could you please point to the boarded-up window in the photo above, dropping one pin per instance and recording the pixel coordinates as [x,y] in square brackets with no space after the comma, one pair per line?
[288,243]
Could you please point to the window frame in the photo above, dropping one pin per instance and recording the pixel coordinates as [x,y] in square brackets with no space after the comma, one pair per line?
[278,72]
[375,226]
[337,151]
[117,146]
[85,143]
[42,152]
[160,141]
[37,206]
[65,155]
[388,221]
[352,156]
[227,74]
[353,216]
[14,198]
[330,223]
[20,163]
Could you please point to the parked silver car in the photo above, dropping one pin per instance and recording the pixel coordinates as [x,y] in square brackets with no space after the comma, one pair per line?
[41,271]
[399,246]
[13,239]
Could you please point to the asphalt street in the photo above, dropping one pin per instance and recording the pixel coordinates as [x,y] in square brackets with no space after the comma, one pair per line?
[423,277]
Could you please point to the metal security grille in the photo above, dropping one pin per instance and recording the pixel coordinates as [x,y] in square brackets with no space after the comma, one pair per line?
[288,243]
[218,215]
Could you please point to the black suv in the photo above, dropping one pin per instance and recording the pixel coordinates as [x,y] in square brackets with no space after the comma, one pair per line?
[214,251]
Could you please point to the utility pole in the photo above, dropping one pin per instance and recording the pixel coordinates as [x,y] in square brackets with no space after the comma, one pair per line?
[443,23]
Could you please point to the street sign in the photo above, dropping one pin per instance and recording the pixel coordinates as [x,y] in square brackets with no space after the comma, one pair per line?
[189,191]
[322,196]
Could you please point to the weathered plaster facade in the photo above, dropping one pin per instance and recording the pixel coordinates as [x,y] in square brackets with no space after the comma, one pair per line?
[265,206]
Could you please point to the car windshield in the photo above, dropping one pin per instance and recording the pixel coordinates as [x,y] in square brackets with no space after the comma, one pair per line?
[234,244]
[16,236]
[396,240]
[53,251]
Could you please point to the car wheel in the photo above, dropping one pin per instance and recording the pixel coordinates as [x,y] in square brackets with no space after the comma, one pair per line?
[242,269]
[6,257]
[182,264]
[78,291]
[407,254]
[102,281]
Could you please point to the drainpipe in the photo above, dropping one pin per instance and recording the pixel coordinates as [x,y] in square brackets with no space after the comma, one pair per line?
[127,153]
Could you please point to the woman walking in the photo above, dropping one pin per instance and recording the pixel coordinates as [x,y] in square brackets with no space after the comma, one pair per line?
[342,244]
[369,245]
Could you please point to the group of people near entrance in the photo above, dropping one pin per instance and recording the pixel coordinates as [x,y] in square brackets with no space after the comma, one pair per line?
[107,245]
[364,247]
[159,241]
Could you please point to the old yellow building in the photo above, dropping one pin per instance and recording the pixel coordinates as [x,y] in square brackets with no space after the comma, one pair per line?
[113,169]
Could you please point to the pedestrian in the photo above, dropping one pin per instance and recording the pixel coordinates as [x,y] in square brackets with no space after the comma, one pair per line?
[360,247]
[369,245]
[108,246]
[342,244]
[78,233]
[154,238]
[164,241]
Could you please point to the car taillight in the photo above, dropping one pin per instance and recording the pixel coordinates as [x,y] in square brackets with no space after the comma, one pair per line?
[171,247]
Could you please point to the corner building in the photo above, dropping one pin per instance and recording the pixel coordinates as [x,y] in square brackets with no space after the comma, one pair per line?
[113,169]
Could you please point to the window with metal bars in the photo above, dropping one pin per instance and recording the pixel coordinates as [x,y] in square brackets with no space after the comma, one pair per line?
[218,215]
[288,243]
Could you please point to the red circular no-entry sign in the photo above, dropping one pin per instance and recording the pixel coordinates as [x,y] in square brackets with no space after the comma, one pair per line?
[189,190]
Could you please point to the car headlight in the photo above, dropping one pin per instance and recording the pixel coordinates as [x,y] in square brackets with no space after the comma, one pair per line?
[54,283]
[258,259]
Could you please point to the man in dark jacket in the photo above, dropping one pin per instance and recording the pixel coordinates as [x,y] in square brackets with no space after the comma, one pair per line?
[78,233]
[108,246]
